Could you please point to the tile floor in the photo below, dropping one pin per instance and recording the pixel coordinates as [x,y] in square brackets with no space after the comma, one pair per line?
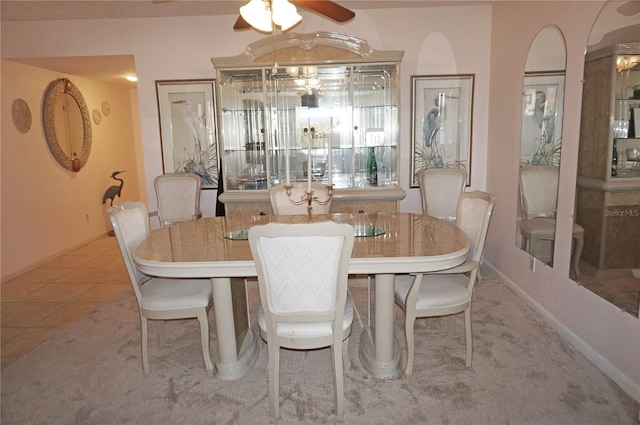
[39,303]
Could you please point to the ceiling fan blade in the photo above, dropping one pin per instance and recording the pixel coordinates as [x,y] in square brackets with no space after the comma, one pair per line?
[241,24]
[327,8]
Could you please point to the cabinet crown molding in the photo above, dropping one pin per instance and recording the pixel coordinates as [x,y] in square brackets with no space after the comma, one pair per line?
[316,47]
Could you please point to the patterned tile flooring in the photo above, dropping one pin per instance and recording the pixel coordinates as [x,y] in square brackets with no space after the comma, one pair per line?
[39,303]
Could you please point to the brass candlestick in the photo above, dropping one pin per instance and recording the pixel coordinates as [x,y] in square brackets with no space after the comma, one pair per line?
[308,198]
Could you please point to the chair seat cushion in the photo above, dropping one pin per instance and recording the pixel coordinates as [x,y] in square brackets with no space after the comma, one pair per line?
[544,227]
[435,291]
[307,330]
[539,226]
[174,294]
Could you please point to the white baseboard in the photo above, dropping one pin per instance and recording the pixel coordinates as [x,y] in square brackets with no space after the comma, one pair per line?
[627,384]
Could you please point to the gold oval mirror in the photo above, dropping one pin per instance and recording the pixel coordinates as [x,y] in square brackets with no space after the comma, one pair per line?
[66,124]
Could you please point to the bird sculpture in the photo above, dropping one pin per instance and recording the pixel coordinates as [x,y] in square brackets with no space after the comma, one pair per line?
[114,190]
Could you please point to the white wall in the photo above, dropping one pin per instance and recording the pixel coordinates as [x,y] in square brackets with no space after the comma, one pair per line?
[181,48]
[47,209]
[604,333]
[490,41]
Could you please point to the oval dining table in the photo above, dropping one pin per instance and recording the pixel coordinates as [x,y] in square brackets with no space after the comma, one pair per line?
[217,248]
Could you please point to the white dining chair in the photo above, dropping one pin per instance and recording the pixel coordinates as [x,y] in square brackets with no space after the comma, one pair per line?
[178,196]
[448,292]
[439,189]
[304,302]
[159,299]
[538,186]
[281,203]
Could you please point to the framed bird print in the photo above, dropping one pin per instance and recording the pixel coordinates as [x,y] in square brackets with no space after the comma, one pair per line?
[441,122]
[542,108]
[188,128]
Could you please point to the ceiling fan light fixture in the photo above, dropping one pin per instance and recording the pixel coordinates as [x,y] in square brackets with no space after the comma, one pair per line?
[284,14]
[257,14]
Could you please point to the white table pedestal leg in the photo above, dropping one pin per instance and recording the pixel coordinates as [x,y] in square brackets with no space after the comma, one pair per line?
[379,352]
[237,346]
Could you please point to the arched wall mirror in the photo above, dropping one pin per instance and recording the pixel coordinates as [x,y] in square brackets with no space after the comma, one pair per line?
[540,143]
[66,124]
[608,174]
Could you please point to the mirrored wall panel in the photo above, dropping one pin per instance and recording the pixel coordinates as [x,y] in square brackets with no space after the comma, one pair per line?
[608,175]
[541,143]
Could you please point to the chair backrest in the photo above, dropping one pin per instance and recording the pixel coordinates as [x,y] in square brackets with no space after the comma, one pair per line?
[472,217]
[281,203]
[538,190]
[302,271]
[178,197]
[130,222]
[439,188]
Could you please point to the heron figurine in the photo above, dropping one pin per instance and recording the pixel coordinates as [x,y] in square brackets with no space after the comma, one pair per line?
[114,190]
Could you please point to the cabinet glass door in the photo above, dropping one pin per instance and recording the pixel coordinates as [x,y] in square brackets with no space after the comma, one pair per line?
[339,121]
[626,116]
[309,109]
[243,127]
[375,125]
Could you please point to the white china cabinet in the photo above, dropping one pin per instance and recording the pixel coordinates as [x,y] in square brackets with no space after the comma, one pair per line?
[320,107]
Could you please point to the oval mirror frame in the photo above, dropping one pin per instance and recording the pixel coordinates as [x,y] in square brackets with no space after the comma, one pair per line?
[56,89]
[541,141]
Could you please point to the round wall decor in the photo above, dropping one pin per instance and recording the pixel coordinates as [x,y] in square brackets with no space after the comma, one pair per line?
[97,116]
[106,108]
[21,115]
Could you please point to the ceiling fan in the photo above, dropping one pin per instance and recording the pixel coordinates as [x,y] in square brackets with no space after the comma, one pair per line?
[325,8]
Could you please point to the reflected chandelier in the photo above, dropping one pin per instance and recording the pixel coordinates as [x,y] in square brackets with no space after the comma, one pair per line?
[624,63]
[261,13]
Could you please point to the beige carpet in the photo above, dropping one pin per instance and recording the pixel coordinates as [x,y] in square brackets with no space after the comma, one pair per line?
[523,373]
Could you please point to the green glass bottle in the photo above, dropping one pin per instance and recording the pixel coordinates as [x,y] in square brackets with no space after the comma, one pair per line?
[372,167]
[614,159]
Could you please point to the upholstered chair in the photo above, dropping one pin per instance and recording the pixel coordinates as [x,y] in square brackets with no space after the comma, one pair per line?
[304,302]
[159,299]
[178,197]
[448,292]
[440,188]
[538,199]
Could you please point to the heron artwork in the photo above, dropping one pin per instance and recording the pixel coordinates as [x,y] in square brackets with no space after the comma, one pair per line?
[202,159]
[193,120]
[114,190]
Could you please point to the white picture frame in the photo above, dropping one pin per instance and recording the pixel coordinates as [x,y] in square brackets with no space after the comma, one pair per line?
[188,128]
[441,122]
[542,112]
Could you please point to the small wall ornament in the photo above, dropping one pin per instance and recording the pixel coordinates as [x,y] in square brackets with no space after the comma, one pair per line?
[21,115]
[106,108]
[97,116]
